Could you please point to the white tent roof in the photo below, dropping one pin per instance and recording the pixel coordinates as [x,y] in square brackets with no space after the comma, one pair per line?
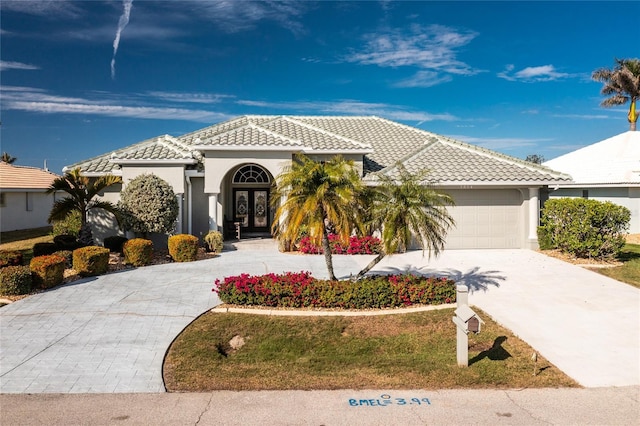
[612,161]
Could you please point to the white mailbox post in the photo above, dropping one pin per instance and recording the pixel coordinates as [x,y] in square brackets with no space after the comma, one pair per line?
[466,320]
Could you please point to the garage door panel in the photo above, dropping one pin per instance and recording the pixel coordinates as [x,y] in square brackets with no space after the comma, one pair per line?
[486,218]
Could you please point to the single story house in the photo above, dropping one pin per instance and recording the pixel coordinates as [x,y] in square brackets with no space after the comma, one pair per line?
[608,170]
[224,172]
[24,203]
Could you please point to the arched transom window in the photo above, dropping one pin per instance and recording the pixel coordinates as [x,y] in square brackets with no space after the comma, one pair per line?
[251,174]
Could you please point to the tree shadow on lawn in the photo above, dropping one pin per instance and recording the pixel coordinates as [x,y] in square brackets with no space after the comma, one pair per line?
[474,278]
[495,353]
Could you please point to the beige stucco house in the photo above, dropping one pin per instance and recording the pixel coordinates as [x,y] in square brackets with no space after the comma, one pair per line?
[608,170]
[24,203]
[224,173]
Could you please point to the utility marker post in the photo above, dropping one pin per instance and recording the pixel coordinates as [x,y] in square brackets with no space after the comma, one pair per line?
[462,339]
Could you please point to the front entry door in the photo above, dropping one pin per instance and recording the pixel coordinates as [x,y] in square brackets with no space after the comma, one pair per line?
[251,209]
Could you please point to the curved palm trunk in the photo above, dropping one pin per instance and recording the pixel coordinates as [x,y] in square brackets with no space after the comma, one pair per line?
[632,116]
[371,264]
[327,255]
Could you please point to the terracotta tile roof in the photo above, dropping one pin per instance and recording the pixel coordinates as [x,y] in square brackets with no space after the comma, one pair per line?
[23,177]
[383,142]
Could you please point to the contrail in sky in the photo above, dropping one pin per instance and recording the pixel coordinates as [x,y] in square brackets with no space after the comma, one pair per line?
[124,20]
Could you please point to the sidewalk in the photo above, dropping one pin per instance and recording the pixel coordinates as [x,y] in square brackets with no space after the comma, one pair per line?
[600,406]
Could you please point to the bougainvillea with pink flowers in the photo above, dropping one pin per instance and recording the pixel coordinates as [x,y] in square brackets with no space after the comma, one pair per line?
[356,245]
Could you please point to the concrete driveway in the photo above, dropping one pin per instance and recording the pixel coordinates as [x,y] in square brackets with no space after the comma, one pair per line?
[110,333]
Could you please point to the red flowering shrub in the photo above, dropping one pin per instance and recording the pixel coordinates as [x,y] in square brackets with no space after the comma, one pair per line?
[356,245]
[301,290]
[47,271]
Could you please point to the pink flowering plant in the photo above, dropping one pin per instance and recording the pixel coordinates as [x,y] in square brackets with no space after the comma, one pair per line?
[301,290]
[356,245]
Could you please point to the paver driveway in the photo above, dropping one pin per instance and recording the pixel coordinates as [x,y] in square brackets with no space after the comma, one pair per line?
[110,333]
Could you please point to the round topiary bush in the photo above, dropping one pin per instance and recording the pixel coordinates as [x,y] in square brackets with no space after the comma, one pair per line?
[138,252]
[183,247]
[214,241]
[15,280]
[91,260]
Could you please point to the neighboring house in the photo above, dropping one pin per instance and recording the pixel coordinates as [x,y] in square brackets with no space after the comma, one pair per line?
[606,171]
[24,203]
[224,172]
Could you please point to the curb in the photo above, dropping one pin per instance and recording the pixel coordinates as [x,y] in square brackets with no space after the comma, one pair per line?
[310,313]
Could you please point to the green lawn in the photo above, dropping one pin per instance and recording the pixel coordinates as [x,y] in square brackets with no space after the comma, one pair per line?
[629,272]
[24,240]
[402,351]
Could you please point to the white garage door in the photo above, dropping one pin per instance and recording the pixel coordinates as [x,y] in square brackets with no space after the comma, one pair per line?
[486,218]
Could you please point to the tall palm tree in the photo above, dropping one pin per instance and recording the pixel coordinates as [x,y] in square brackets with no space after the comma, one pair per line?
[319,195]
[621,84]
[82,192]
[403,208]
[7,158]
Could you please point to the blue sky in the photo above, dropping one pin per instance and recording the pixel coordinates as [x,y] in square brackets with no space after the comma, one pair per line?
[81,78]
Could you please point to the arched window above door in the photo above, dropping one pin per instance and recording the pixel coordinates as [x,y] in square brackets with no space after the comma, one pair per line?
[251,173]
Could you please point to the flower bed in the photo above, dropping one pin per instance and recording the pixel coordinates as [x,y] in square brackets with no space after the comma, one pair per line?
[356,245]
[301,290]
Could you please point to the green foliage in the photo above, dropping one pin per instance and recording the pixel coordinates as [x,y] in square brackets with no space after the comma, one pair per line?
[15,280]
[183,247]
[47,271]
[70,225]
[138,252]
[68,257]
[10,258]
[300,290]
[91,260]
[66,242]
[114,243]
[148,204]
[44,249]
[214,241]
[583,228]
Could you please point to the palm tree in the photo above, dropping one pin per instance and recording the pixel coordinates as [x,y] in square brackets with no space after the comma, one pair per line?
[319,195]
[621,84]
[82,192]
[7,158]
[405,207]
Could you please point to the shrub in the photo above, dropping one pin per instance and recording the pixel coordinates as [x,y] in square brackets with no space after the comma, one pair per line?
[10,258]
[138,252]
[356,245]
[91,260]
[114,243]
[214,241]
[66,242]
[183,247]
[148,204]
[69,225]
[583,228]
[15,280]
[44,249]
[68,257]
[47,271]
[300,290]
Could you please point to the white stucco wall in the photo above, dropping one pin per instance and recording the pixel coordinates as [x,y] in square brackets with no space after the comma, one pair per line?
[15,216]
[174,175]
[628,197]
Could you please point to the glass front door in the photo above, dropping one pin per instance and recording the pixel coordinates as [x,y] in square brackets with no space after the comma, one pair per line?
[251,208]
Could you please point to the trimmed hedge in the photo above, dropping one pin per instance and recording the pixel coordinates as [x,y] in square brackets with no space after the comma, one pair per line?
[10,258]
[91,260]
[583,228]
[138,252]
[183,247]
[15,280]
[66,242]
[301,290]
[114,243]
[68,257]
[47,271]
[356,245]
[215,241]
[44,249]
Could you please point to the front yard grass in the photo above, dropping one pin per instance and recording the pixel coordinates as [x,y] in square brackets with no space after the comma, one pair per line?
[629,271]
[24,240]
[401,351]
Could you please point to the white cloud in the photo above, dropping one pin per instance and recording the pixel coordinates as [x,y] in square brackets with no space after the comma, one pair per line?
[197,98]
[52,9]
[12,65]
[351,107]
[122,23]
[431,48]
[500,143]
[533,74]
[584,116]
[424,79]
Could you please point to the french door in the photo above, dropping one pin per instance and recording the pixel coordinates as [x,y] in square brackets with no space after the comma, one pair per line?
[251,209]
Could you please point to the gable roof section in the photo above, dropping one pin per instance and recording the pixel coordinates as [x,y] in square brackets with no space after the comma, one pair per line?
[615,160]
[382,142]
[23,177]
